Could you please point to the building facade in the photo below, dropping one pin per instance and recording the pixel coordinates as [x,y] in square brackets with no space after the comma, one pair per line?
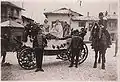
[10,11]
[112,26]
[62,14]
[11,19]
[78,21]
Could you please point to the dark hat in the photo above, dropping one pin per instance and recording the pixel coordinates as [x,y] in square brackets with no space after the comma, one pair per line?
[45,20]
[101,14]
[76,32]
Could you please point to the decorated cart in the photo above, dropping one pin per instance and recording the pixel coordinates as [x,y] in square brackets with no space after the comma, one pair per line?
[60,48]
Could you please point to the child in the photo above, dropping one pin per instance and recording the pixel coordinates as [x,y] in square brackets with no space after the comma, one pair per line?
[75,47]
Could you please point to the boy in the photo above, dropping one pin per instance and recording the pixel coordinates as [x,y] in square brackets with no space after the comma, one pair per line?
[76,42]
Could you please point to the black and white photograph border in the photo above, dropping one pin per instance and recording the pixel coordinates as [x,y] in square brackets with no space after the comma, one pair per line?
[26,24]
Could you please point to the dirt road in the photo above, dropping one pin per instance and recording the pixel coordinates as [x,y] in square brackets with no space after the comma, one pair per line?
[55,69]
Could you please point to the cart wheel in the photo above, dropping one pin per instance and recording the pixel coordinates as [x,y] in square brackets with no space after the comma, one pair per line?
[20,49]
[63,56]
[27,59]
[82,54]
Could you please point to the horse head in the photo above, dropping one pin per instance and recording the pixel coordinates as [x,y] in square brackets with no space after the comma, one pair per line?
[95,32]
[98,35]
[30,31]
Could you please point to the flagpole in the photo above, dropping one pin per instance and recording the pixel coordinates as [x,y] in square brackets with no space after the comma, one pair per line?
[109,8]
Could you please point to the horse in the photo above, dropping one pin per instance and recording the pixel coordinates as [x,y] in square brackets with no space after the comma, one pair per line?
[30,34]
[99,44]
[4,47]
[7,45]
[30,31]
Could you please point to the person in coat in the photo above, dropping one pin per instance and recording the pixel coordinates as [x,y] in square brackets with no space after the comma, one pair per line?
[76,42]
[39,44]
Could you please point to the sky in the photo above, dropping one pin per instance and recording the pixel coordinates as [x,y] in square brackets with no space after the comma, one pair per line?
[35,8]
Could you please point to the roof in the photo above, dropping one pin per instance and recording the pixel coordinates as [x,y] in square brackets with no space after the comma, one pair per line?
[24,17]
[10,23]
[84,18]
[10,4]
[76,18]
[62,11]
[112,17]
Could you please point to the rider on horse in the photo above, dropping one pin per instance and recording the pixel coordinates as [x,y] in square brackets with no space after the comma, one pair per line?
[103,25]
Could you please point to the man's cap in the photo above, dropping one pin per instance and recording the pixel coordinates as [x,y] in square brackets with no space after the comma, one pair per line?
[75,32]
[101,14]
[45,20]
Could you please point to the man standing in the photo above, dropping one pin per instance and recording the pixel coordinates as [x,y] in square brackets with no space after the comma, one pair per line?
[39,48]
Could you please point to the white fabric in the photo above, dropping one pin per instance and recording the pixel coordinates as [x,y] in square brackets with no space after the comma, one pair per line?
[57,30]
[28,43]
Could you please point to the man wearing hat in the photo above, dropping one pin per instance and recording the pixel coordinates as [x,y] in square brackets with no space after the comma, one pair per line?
[40,43]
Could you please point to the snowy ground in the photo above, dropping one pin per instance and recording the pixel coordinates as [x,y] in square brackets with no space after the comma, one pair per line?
[55,69]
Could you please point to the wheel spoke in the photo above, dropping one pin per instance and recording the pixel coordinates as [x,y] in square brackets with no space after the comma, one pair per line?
[83,54]
[27,59]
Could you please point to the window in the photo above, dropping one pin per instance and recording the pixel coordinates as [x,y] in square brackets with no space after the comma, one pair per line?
[81,24]
[17,13]
[3,11]
[12,12]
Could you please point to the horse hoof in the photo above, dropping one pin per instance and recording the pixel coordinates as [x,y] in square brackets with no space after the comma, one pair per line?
[103,68]
[99,62]
[94,66]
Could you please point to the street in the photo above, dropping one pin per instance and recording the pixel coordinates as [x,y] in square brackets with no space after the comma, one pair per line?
[56,69]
